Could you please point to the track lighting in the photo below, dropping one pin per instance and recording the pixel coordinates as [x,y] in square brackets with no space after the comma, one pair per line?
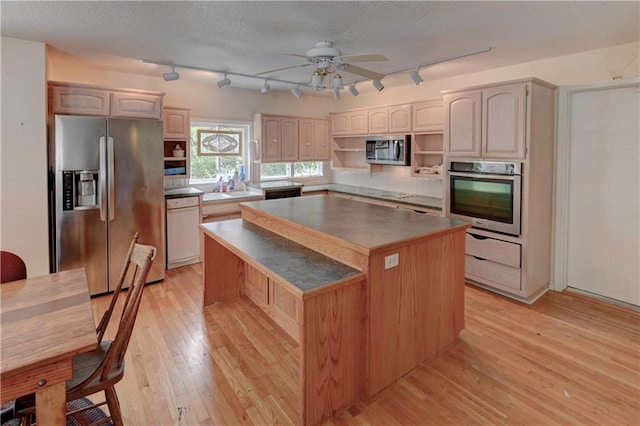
[337,82]
[415,76]
[353,90]
[296,92]
[379,86]
[171,76]
[336,93]
[225,82]
[264,89]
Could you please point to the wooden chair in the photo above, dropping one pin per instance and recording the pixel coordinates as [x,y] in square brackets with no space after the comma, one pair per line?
[100,369]
[12,267]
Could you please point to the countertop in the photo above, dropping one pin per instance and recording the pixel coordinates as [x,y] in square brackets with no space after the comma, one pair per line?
[366,225]
[300,266]
[380,194]
[275,184]
[182,192]
[231,196]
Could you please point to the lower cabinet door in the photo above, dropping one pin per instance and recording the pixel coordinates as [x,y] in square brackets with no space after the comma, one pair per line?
[284,307]
[256,286]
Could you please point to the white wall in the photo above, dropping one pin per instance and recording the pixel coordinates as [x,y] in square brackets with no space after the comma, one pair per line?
[23,154]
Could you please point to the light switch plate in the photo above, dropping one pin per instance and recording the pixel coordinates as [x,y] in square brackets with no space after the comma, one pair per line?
[391,261]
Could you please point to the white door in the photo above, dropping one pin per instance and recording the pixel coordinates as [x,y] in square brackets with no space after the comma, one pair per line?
[603,247]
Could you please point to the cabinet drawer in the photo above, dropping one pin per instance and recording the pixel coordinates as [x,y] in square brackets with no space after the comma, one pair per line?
[220,208]
[495,250]
[256,287]
[492,273]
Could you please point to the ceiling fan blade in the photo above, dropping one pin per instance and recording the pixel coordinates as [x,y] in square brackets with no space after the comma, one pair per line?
[374,57]
[363,72]
[285,68]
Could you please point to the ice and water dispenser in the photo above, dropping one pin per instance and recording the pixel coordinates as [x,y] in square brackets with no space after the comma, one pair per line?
[79,189]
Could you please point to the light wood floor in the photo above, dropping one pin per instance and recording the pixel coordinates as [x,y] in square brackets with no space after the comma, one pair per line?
[565,360]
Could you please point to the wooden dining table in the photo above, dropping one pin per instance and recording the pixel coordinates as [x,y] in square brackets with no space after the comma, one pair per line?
[44,322]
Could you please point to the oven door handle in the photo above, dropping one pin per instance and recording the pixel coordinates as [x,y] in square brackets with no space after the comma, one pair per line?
[484,176]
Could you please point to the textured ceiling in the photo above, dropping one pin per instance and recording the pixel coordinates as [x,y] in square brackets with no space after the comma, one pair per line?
[252,37]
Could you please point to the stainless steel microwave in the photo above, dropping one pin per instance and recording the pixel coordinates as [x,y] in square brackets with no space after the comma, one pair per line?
[485,193]
[392,150]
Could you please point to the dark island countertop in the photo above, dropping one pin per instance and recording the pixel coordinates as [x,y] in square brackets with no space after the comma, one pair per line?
[301,267]
[368,226]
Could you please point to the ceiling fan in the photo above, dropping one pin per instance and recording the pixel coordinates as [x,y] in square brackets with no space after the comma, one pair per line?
[328,60]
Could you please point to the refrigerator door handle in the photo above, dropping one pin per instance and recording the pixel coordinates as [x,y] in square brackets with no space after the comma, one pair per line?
[103,178]
[112,192]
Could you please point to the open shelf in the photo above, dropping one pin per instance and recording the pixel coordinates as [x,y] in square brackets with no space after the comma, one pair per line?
[427,150]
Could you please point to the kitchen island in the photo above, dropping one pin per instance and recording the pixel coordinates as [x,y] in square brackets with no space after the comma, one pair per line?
[369,292]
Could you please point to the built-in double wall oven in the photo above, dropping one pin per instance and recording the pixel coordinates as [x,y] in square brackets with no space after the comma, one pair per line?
[485,193]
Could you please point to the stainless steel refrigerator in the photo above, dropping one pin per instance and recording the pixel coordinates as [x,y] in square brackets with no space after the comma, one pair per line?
[106,182]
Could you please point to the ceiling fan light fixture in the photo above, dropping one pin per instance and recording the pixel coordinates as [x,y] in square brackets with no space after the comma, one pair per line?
[337,82]
[352,89]
[316,79]
[296,92]
[379,86]
[415,76]
[336,93]
[171,76]
[264,89]
[225,82]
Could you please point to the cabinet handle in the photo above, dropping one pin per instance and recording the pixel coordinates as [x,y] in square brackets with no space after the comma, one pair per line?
[479,258]
[479,237]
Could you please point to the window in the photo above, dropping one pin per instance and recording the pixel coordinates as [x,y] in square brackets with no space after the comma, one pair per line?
[218,150]
[271,171]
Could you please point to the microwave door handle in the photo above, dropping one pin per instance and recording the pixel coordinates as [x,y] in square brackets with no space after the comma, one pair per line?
[102,176]
[112,193]
[396,150]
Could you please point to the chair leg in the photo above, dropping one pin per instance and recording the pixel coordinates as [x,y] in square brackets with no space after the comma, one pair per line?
[114,406]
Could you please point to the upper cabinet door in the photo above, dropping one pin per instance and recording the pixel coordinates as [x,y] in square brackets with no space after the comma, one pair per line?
[358,122]
[428,116]
[289,139]
[378,121]
[176,123]
[504,120]
[321,139]
[340,124]
[79,101]
[399,119]
[462,123]
[271,143]
[136,105]
[306,139]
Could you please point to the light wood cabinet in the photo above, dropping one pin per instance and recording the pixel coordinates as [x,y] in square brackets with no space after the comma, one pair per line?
[462,117]
[135,105]
[79,101]
[428,116]
[292,138]
[82,99]
[510,121]
[487,123]
[393,119]
[313,138]
[256,286]
[350,123]
[284,308]
[176,123]
[177,132]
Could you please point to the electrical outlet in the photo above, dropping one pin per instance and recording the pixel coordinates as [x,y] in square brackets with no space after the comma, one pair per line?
[391,261]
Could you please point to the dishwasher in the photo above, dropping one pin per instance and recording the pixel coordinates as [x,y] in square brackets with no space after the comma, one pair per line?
[183,233]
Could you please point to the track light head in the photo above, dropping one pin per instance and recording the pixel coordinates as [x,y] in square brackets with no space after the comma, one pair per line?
[415,76]
[264,89]
[379,86]
[171,76]
[296,92]
[225,82]
[353,90]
